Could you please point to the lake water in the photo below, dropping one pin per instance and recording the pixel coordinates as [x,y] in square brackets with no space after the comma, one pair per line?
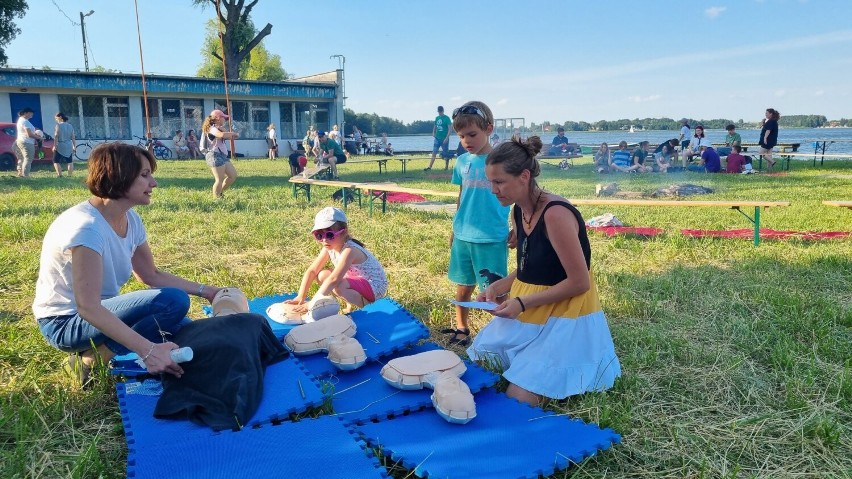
[805,136]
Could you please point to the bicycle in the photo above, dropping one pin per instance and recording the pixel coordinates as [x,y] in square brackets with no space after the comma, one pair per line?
[84,149]
[161,151]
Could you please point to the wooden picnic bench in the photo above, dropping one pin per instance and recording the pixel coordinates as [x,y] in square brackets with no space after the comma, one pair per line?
[731,204]
[382,162]
[350,189]
[838,203]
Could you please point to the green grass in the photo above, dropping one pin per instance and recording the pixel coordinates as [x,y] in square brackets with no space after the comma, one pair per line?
[737,360]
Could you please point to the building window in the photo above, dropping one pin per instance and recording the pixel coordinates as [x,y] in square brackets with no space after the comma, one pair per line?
[168,115]
[250,118]
[97,117]
[302,115]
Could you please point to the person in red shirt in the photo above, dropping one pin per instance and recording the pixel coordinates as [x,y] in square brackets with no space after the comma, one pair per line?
[736,161]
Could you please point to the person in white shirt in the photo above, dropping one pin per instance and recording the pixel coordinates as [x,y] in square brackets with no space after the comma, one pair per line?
[272,141]
[25,142]
[694,148]
[90,251]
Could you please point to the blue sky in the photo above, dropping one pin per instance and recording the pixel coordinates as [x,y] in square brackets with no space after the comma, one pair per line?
[542,61]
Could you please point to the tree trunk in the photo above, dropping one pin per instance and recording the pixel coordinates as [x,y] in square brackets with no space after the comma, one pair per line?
[231,15]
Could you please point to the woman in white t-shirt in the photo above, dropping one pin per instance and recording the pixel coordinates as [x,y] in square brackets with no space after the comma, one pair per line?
[90,251]
[25,142]
[272,141]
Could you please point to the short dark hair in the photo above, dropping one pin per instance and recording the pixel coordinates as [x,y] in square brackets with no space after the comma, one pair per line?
[736,147]
[114,166]
[731,126]
[25,110]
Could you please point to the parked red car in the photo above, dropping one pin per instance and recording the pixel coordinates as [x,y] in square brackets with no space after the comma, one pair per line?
[8,160]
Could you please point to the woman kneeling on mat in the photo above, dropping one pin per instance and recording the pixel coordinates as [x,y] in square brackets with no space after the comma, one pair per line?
[88,254]
[357,276]
[549,333]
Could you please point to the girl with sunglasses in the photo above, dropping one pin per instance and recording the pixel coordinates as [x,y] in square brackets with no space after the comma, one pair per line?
[357,277]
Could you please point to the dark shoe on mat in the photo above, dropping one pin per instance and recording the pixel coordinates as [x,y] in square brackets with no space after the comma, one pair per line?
[464,340]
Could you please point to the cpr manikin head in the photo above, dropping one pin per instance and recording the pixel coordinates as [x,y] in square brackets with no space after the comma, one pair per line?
[229,301]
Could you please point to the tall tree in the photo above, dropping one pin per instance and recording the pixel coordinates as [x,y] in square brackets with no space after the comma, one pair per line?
[9,11]
[233,15]
[257,65]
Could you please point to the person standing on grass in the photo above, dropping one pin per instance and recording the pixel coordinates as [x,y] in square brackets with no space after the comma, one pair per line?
[90,251]
[478,244]
[548,333]
[684,137]
[224,173]
[441,136]
[24,147]
[769,135]
[272,141]
[64,144]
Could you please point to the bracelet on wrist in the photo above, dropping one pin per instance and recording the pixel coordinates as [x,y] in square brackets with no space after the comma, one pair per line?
[503,295]
[523,307]
[149,353]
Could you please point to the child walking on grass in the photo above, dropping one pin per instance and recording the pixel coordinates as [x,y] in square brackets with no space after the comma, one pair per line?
[478,245]
[548,332]
[356,275]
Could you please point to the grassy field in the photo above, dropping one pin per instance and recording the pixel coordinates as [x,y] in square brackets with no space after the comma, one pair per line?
[737,360]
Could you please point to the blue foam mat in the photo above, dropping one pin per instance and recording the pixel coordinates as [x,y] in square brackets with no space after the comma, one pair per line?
[506,439]
[282,396]
[320,447]
[385,321]
[259,305]
[363,395]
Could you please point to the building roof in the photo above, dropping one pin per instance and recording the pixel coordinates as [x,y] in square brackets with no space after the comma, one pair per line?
[159,84]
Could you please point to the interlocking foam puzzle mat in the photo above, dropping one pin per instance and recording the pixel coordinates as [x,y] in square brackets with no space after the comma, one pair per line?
[259,305]
[320,447]
[384,327]
[287,389]
[362,395]
[507,439]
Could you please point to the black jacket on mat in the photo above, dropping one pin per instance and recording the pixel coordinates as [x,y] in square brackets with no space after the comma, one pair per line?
[223,384]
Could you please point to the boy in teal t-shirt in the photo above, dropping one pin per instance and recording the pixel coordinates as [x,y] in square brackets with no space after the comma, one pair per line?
[441,135]
[478,253]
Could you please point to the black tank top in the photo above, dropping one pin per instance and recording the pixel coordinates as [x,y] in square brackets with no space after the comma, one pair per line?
[538,262]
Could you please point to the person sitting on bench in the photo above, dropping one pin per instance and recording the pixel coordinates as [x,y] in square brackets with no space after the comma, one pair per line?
[559,146]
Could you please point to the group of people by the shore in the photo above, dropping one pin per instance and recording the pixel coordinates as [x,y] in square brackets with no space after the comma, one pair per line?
[694,150]
[548,332]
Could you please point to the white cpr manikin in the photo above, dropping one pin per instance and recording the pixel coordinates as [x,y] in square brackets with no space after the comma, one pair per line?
[438,370]
[333,334]
[229,301]
[318,308]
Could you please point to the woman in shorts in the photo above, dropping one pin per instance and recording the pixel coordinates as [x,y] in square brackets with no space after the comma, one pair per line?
[64,144]
[224,173]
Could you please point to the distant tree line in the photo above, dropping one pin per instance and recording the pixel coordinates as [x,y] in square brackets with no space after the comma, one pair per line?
[373,124]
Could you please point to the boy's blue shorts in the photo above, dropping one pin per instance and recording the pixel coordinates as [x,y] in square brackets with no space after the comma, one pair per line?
[471,263]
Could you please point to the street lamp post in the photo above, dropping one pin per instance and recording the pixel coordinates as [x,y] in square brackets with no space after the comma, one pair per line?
[83,29]
[342,62]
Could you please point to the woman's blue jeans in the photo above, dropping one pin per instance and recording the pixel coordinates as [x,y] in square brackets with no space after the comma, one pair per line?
[153,313]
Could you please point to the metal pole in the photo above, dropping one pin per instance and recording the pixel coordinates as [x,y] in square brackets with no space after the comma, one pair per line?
[342,62]
[83,30]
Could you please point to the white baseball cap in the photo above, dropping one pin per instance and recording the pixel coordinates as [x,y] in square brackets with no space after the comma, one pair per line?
[327,217]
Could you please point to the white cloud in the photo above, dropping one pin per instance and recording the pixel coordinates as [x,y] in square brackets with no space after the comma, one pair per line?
[643,99]
[714,12]
[502,101]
